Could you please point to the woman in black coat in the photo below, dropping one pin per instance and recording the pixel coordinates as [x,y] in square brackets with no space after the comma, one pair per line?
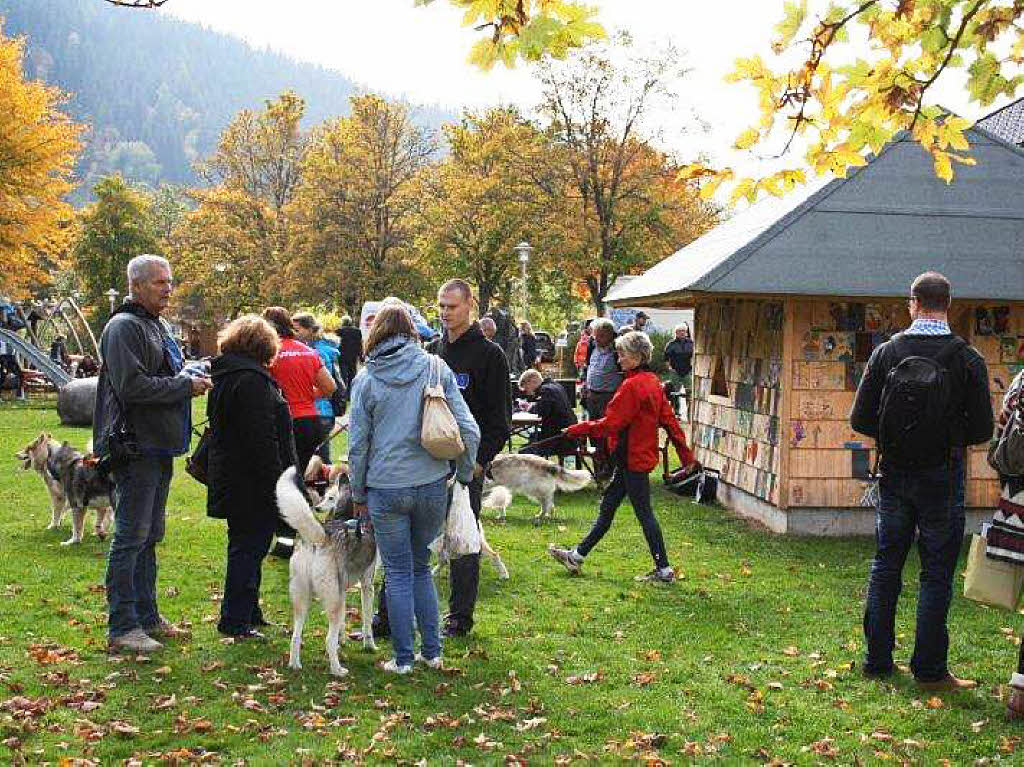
[251,445]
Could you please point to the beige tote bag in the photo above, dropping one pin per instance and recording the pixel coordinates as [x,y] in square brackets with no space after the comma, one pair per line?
[439,434]
[990,581]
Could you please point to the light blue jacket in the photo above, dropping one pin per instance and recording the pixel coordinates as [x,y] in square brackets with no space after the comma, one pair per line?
[384,449]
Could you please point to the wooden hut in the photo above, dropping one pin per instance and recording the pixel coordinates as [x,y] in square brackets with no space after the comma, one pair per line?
[792,295]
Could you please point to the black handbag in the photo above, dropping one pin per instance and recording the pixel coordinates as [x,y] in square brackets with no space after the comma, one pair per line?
[122,444]
[197,465]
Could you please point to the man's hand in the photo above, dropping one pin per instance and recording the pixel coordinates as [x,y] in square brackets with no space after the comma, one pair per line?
[478,471]
[201,385]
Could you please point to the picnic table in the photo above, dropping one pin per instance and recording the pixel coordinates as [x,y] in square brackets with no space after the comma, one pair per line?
[522,423]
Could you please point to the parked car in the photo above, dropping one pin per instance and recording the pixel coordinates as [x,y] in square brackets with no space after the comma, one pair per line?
[546,346]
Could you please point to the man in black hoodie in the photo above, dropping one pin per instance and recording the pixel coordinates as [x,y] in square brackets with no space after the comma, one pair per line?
[481,371]
[922,484]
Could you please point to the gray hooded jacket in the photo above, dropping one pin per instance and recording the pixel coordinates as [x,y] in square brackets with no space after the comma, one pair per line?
[139,373]
[384,449]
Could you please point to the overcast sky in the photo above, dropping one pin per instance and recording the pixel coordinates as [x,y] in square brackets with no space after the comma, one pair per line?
[420,53]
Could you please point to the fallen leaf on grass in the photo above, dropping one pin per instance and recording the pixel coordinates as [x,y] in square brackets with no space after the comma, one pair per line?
[825,747]
[588,678]
[530,724]
[934,702]
[652,655]
[791,651]
[163,670]
[165,701]
[124,729]
[644,678]
[976,726]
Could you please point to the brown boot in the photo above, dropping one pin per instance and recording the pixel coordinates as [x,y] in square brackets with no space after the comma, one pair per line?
[947,684]
[1015,705]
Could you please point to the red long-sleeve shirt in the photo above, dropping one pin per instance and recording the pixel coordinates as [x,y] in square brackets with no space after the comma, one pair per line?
[639,406]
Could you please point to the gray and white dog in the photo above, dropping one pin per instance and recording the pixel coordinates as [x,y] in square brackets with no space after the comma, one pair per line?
[328,558]
[536,478]
[73,481]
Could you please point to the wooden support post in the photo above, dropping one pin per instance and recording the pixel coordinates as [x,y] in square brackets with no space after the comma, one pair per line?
[786,396]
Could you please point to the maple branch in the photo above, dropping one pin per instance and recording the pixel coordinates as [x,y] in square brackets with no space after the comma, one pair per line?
[954,44]
[136,3]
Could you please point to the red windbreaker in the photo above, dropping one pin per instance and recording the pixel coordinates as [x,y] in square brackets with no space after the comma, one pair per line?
[639,406]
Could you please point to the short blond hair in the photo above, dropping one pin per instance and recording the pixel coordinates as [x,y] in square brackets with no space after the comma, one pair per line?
[636,344]
[392,320]
[250,336]
[529,374]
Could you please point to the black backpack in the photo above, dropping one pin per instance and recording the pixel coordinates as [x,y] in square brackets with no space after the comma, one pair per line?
[915,408]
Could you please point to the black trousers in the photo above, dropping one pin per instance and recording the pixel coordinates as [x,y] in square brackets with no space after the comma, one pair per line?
[247,547]
[637,486]
[464,576]
[348,372]
[308,432]
[326,424]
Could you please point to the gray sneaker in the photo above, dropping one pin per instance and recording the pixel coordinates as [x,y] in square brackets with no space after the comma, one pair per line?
[566,558]
[136,641]
[664,575]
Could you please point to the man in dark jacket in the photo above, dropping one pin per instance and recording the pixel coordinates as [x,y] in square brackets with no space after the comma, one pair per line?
[551,403]
[350,347]
[481,371]
[679,355]
[922,490]
[140,387]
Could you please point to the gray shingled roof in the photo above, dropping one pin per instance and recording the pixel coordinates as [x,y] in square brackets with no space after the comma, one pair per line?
[866,235]
[1007,123]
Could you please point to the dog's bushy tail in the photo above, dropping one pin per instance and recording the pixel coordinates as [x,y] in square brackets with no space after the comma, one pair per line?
[498,498]
[571,480]
[294,509]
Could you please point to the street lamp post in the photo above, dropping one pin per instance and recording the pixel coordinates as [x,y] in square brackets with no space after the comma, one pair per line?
[524,249]
[112,294]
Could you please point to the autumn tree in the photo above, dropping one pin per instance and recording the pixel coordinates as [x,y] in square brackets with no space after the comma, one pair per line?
[112,231]
[223,254]
[613,197]
[38,147]
[354,209]
[838,104]
[477,203]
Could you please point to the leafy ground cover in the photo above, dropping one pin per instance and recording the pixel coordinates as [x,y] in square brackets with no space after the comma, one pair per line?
[751,657]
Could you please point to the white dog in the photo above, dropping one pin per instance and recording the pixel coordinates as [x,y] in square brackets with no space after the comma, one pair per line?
[499,499]
[327,560]
[536,478]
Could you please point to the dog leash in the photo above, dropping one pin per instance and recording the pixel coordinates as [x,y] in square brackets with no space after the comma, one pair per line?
[337,429]
[577,454]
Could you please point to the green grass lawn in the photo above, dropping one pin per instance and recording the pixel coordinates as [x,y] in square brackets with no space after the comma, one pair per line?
[751,657]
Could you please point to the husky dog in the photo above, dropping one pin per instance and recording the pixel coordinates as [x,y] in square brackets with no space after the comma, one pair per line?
[328,559]
[536,478]
[71,480]
[499,499]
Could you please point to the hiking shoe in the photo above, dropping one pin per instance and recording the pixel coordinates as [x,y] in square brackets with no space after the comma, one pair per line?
[658,575]
[166,630]
[567,558]
[947,684]
[434,663]
[136,641]
[392,667]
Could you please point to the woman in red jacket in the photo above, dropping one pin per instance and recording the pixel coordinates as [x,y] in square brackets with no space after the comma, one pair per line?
[630,424]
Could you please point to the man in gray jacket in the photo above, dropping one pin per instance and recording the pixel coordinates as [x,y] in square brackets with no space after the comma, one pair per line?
[142,420]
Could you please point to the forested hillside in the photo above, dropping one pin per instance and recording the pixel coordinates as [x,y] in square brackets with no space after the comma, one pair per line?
[155,91]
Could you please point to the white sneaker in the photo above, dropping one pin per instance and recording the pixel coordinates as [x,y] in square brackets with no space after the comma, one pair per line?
[136,640]
[434,663]
[392,667]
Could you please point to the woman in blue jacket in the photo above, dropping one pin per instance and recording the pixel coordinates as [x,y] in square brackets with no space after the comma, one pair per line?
[397,481]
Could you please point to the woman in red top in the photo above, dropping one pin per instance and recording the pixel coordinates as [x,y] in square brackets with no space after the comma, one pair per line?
[303,379]
[630,424]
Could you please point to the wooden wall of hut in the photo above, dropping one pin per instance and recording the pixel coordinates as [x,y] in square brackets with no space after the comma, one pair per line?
[737,392]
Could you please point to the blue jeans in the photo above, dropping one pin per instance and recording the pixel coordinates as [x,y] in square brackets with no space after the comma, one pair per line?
[930,501]
[141,499]
[406,521]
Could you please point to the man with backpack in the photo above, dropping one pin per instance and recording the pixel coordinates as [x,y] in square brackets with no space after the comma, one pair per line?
[924,397]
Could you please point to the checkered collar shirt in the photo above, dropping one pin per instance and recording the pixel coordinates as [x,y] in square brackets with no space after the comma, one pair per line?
[921,327]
